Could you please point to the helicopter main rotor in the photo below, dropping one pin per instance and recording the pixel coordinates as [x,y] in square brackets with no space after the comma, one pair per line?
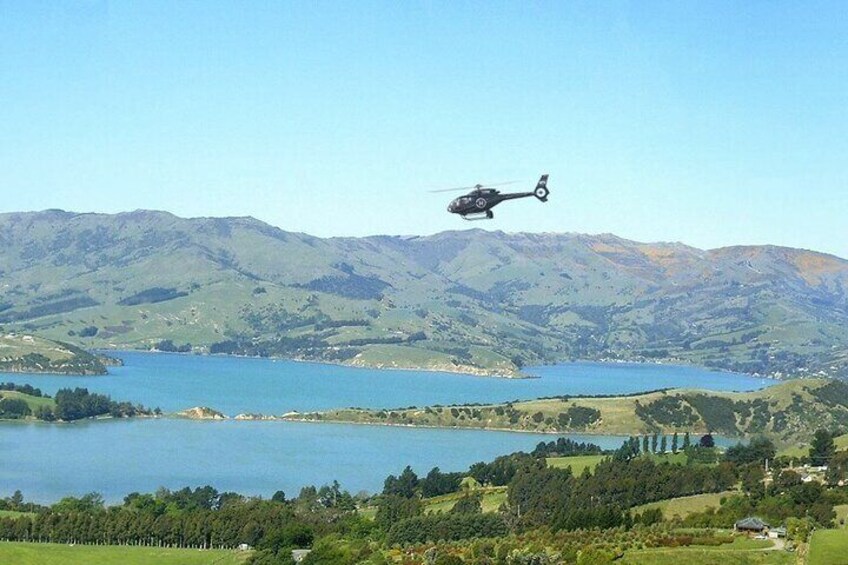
[477,186]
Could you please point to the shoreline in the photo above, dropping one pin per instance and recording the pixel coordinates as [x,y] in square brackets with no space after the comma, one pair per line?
[285,420]
[469,373]
[682,363]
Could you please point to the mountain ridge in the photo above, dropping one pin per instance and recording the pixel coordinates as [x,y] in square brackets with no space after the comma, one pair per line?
[471,299]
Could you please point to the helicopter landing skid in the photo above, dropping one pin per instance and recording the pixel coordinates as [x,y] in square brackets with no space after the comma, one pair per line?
[487,215]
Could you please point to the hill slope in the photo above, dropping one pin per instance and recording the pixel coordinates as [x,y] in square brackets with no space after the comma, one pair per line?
[788,413]
[475,300]
[21,353]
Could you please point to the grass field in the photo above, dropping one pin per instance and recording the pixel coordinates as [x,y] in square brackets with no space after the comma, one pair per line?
[742,551]
[841,514]
[60,554]
[13,514]
[493,497]
[32,401]
[576,462]
[686,505]
[828,547]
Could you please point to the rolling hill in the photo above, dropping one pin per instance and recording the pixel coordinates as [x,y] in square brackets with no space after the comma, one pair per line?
[789,413]
[486,302]
[21,353]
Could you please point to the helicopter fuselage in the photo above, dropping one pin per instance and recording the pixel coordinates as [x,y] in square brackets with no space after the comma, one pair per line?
[481,201]
[478,204]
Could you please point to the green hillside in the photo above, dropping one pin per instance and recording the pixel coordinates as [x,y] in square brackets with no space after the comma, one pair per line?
[788,413]
[477,301]
[31,354]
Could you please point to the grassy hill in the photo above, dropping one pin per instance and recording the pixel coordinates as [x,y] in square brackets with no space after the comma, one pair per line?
[686,505]
[803,449]
[31,354]
[477,301]
[788,412]
[33,402]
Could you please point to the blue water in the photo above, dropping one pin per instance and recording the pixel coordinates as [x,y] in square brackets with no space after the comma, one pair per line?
[233,385]
[114,458]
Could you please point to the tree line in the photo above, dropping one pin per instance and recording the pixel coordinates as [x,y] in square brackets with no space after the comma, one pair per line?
[68,405]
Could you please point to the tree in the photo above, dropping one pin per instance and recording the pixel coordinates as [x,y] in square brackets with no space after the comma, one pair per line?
[674,443]
[706,440]
[468,504]
[798,529]
[654,443]
[404,485]
[16,501]
[757,451]
[14,408]
[837,469]
[663,444]
[822,449]
[645,444]
[392,508]
[437,483]
[686,441]
[787,479]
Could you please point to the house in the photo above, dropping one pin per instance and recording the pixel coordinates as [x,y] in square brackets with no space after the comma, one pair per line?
[751,524]
[299,554]
[243,547]
[775,533]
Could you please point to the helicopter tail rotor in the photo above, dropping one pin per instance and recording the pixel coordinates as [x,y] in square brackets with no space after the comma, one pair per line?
[541,191]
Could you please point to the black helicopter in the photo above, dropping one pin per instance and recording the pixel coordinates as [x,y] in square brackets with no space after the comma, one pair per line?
[478,204]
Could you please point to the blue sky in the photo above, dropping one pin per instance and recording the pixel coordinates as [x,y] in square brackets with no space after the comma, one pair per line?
[711,123]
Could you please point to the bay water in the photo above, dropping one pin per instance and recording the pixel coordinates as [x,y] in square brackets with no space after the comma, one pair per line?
[115,457]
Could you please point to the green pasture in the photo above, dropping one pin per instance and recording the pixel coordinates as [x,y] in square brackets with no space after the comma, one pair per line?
[13,514]
[686,505]
[828,547]
[32,401]
[493,497]
[577,462]
[63,554]
[742,551]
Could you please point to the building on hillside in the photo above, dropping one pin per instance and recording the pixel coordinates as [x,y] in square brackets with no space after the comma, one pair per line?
[299,555]
[751,524]
[775,533]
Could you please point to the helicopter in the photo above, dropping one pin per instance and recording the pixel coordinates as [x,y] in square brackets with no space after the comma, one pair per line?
[478,204]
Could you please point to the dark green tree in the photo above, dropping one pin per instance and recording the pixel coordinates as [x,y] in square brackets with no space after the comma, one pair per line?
[822,448]
[471,503]
[404,485]
[393,508]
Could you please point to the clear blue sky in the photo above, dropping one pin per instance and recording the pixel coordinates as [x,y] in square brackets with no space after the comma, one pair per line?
[712,123]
